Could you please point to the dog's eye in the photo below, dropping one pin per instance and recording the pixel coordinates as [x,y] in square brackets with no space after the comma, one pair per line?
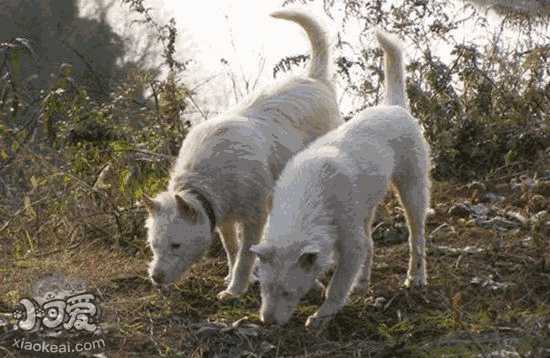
[175,246]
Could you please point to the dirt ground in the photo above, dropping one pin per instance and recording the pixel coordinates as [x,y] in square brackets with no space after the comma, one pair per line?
[488,293]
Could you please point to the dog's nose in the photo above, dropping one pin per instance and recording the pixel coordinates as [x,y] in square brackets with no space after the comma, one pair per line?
[158,278]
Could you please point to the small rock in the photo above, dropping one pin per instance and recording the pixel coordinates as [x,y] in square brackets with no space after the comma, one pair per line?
[392,235]
[498,223]
[480,210]
[538,202]
[459,210]
[491,198]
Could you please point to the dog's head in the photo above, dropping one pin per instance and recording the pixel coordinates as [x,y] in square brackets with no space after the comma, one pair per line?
[286,275]
[178,232]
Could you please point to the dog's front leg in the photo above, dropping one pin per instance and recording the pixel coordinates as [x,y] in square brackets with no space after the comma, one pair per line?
[230,243]
[350,258]
[251,233]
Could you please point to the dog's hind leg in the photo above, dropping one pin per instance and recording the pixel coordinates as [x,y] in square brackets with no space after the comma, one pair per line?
[242,269]
[361,285]
[230,243]
[413,190]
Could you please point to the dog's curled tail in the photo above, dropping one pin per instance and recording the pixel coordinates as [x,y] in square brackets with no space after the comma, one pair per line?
[318,67]
[394,71]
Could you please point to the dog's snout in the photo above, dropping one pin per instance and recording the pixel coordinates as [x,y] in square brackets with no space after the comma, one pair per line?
[158,278]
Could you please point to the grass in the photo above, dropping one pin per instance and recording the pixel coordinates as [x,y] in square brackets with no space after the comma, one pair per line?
[453,317]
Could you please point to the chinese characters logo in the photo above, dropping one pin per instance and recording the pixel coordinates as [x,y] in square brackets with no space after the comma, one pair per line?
[58,304]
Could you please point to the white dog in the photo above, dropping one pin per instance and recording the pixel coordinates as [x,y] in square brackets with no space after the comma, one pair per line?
[325,199]
[227,168]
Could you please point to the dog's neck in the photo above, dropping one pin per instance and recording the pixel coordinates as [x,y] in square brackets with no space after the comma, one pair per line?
[206,205]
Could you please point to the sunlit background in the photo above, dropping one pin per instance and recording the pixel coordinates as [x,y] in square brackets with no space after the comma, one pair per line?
[234,45]
[223,38]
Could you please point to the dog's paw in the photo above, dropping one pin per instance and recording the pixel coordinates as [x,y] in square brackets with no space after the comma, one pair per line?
[317,323]
[226,295]
[418,281]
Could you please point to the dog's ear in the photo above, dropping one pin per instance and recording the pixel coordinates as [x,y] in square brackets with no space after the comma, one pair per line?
[186,210]
[264,253]
[150,204]
[308,257]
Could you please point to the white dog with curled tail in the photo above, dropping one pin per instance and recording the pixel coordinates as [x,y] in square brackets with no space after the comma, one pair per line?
[324,203]
[227,167]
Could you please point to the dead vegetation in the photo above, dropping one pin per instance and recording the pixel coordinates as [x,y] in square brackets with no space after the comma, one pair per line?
[489,289]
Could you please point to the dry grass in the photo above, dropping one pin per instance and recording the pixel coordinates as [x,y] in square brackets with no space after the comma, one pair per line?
[452,317]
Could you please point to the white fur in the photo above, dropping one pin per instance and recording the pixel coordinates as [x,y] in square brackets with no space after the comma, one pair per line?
[233,161]
[530,7]
[325,199]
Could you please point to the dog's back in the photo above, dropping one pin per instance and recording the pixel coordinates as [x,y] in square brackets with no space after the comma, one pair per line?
[292,115]
[384,138]
[243,151]
[261,134]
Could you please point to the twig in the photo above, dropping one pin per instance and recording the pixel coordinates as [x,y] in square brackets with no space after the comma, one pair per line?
[496,170]
[20,211]
[197,107]
[437,229]
[83,184]
[5,336]
[70,248]
[505,177]
[154,154]
[387,305]
[98,79]
[156,98]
